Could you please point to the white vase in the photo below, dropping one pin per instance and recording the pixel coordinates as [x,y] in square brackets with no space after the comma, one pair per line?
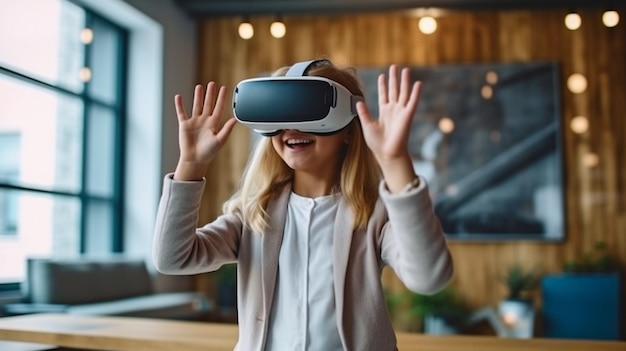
[518,316]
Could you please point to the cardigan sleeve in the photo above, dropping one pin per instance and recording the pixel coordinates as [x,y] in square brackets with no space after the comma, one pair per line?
[179,246]
[413,243]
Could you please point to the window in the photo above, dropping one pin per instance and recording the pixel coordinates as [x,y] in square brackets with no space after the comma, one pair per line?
[9,169]
[61,132]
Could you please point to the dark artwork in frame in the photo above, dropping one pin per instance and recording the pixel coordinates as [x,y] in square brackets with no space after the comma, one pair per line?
[487,138]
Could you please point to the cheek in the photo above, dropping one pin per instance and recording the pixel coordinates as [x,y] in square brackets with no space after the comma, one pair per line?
[277,144]
[332,150]
[336,144]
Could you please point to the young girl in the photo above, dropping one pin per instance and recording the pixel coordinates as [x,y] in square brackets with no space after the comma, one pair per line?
[316,219]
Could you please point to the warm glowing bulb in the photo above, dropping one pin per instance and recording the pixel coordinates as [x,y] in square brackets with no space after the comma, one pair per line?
[246,30]
[573,21]
[427,25]
[491,77]
[610,18]
[84,74]
[86,36]
[487,92]
[577,83]
[591,159]
[579,124]
[446,125]
[278,29]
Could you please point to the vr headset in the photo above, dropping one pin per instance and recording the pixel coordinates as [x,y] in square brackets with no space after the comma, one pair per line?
[309,104]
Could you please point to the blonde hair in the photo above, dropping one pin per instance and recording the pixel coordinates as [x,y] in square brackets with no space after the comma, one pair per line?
[266,173]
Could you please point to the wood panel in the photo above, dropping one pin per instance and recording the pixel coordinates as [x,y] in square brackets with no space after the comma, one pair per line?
[595,195]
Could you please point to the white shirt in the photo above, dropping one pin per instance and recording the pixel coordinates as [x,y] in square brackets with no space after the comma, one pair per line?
[303,312]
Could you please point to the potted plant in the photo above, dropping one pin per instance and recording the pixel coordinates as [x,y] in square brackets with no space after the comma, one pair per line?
[584,301]
[441,313]
[597,261]
[520,282]
[517,310]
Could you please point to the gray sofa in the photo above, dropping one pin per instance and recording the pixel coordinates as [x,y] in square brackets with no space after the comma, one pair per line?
[117,285]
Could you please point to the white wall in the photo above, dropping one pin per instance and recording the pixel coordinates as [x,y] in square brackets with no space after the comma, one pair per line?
[178,67]
[162,63]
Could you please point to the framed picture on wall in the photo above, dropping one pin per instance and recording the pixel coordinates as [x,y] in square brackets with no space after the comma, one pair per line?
[487,139]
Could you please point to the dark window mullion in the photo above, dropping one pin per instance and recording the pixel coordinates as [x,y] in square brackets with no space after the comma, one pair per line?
[22,77]
[58,89]
[38,190]
[84,198]
[120,145]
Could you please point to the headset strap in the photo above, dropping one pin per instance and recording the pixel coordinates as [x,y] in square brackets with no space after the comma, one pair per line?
[299,69]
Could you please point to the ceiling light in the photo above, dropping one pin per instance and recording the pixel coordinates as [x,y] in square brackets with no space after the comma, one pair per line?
[427,25]
[610,18]
[591,159]
[486,92]
[246,30]
[84,74]
[278,29]
[86,36]
[572,21]
[577,83]
[446,125]
[491,77]
[579,124]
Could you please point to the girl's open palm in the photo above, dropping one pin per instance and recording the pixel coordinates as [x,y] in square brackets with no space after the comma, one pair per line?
[201,135]
[388,136]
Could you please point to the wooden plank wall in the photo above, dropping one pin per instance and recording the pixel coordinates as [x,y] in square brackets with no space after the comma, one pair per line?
[595,196]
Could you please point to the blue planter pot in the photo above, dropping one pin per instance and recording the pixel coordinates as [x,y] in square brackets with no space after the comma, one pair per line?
[582,306]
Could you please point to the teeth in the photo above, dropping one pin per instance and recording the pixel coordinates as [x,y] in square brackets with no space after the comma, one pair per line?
[298,141]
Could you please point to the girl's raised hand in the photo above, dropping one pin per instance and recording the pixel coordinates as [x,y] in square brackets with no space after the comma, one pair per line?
[201,135]
[388,136]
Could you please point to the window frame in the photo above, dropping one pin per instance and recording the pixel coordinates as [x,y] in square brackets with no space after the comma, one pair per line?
[118,109]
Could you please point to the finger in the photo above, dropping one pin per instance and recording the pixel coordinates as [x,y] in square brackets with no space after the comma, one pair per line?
[219,102]
[363,112]
[196,109]
[382,90]
[405,84]
[209,99]
[180,109]
[416,92]
[393,83]
[223,134]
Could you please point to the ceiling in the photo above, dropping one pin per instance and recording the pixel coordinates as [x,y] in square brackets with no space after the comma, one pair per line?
[213,8]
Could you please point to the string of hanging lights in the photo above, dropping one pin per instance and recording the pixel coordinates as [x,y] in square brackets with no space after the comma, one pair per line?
[427,22]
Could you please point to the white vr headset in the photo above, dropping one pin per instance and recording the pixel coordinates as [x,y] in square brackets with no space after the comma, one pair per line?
[309,104]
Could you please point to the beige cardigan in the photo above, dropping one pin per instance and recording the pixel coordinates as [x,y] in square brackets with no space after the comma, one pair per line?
[402,232]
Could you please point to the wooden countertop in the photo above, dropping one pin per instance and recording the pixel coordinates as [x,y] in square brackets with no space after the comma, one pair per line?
[140,334]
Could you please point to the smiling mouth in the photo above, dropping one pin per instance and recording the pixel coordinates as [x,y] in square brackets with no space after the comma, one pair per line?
[298,143]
